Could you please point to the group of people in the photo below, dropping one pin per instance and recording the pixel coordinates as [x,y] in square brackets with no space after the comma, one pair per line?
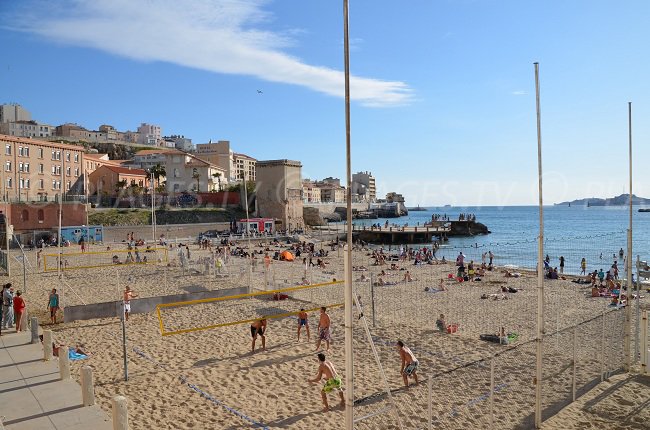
[13,308]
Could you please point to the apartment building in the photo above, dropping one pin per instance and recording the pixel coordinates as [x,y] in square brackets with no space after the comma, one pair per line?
[150,134]
[186,172]
[106,178]
[233,163]
[37,170]
[310,192]
[364,187]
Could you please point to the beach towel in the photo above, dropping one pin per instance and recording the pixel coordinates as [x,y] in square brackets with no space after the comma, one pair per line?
[73,355]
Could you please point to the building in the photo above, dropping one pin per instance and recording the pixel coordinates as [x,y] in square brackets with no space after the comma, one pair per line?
[106,180]
[93,161]
[331,193]
[279,192]
[310,192]
[148,158]
[26,129]
[186,172]
[14,113]
[364,188]
[179,142]
[233,163]
[149,134]
[394,197]
[36,170]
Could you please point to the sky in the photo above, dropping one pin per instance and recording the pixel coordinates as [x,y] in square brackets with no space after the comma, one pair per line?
[443,91]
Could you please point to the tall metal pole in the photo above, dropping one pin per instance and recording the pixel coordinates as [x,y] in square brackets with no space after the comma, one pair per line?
[250,250]
[628,266]
[153,206]
[540,265]
[349,356]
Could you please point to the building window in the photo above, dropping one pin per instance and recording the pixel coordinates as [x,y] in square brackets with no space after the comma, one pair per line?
[176,173]
[8,149]
[69,185]
[20,151]
[40,152]
[25,215]
[9,183]
[67,156]
[41,184]
[54,170]
[76,158]
[8,166]
[26,167]
[41,215]
[27,184]
[41,168]
[68,171]
[76,171]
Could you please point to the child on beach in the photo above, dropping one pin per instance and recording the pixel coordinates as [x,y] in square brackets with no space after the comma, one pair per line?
[53,305]
[302,321]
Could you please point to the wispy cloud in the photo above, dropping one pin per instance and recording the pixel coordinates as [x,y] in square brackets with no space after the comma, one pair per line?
[223,36]
[519,93]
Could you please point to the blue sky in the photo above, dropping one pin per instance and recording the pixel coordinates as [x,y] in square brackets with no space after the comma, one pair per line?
[443,91]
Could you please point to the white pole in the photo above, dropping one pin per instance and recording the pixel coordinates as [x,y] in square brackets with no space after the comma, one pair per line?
[429,401]
[60,258]
[628,266]
[64,363]
[248,236]
[47,345]
[153,210]
[87,386]
[349,356]
[638,307]
[644,342]
[540,265]
[120,413]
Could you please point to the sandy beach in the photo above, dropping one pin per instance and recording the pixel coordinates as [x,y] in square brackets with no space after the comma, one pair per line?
[210,378]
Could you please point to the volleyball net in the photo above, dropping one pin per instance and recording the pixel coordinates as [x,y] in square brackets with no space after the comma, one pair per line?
[206,314]
[95,259]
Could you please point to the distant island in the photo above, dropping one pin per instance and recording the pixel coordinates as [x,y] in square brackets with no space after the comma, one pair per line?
[622,200]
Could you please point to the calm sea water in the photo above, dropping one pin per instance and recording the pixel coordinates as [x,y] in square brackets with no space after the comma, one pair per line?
[573,232]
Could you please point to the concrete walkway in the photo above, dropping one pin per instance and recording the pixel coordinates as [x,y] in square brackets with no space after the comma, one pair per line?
[33,397]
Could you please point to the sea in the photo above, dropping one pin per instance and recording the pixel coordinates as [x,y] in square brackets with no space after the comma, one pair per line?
[574,232]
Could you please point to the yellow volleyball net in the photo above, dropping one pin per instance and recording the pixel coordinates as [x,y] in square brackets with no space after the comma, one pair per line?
[206,314]
[116,258]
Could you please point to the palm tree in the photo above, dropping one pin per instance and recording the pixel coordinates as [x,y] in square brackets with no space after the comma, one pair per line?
[196,176]
[120,184]
[157,172]
[218,176]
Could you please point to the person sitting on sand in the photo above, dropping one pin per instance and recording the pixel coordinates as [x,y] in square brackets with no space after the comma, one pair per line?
[407,277]
[409,363]
[441,325]
[327,372]
[441,285]
[258,327]
[303,321]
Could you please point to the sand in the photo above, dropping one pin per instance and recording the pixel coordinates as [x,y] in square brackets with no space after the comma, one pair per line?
[168,374]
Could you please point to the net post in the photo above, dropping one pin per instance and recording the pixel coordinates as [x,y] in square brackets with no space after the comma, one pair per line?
[429,403]
[372,297]
[644,342]
[492,392]
[574,376]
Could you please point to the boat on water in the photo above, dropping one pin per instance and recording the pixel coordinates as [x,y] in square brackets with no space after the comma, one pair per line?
[418,209]
[644,210]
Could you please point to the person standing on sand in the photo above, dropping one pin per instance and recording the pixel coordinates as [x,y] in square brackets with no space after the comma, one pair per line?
[302,321]
[583,266]
[409,363]
[128,295]
[258,328]
[323,329]
[491,256]
[267,261]
[561,264]
[19,310]
[53,305]
[38,258]
[327,372]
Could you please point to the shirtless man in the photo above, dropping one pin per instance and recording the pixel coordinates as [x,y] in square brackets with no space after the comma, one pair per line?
[302,321]
[128,295]
[407,277]
[332,380]
[258,328]
[323,329]
[409,363]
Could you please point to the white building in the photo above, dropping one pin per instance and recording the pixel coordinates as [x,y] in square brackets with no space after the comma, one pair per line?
[13,113]
[235,164]
[26,129]
[364,187]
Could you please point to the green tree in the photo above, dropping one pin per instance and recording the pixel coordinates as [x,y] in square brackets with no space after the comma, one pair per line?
[217,176]
[196,176]
[119,185]
[157,172]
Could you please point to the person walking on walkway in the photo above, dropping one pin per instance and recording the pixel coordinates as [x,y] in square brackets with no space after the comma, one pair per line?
[19,310]
[7,306]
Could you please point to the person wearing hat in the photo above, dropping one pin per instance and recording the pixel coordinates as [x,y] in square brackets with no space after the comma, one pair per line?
[7,306]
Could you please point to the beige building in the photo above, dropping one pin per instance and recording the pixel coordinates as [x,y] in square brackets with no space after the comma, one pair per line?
[279,192]
[36,170]
[104,180]
[330,193]
[14,113]
[186,172]
[234,163]
[310,192]
[26,129]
